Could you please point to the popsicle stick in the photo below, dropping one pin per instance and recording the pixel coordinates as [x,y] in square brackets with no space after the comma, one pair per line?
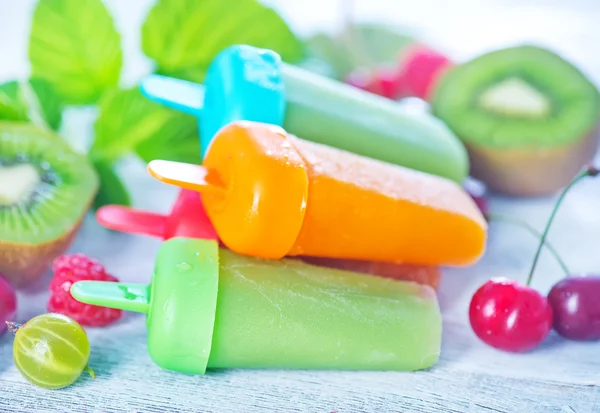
[128,297]
[132,221]
[178,94]
[194,177]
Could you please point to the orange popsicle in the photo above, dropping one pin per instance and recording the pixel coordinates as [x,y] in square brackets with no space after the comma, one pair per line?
[270,194]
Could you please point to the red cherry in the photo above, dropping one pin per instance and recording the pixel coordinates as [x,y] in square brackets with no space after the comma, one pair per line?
[510,316]
[8,303]
[576,307]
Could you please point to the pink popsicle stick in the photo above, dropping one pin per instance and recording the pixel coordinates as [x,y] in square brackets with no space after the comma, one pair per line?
[186,219]
[129,220]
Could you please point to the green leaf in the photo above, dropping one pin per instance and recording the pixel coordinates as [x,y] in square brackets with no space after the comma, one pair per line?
[359,46]
[128,123]
[50,103]
[74,46]
[112,190]
[180,144]
[183,36]
[35,101]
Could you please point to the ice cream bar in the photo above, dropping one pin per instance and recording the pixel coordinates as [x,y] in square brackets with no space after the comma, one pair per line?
[188,219]
[247,83]
[270,194]
[211,308]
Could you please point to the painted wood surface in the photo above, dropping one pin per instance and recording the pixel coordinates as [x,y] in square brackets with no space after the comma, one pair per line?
[560,376]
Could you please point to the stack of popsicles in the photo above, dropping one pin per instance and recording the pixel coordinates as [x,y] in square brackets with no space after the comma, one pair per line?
[298,166]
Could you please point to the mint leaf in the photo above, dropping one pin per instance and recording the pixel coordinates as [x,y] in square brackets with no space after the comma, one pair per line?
[129,123]
[112,191]
[75,47]
[50,103]
[35,101]
[183,36]
[181,144]
[358,46]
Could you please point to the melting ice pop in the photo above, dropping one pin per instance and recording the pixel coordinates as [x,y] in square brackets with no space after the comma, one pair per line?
[211,308]
[270,194]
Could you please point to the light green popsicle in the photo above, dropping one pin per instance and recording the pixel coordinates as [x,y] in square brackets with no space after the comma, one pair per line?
[211,308]
[332,113]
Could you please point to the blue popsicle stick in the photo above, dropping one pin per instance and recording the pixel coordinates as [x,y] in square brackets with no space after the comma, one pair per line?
[182,95]
[242,83]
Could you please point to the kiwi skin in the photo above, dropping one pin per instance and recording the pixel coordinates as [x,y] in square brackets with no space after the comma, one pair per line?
[24,263]
[527,154]
[523,172]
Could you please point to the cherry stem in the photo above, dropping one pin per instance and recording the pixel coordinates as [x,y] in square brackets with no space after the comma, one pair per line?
[90,371]
[12,326]
[590,171]
[536,233]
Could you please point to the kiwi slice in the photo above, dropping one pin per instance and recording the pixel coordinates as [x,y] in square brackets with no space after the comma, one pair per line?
[527,116]
[45,190]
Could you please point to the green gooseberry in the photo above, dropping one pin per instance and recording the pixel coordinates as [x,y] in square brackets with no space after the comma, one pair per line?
[51,350]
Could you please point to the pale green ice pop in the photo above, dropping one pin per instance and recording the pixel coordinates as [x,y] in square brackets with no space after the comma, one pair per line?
[211,308]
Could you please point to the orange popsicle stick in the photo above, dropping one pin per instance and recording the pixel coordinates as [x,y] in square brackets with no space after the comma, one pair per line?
[188,176]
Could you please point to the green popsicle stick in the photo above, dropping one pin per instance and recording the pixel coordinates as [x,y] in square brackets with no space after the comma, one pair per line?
[128,297]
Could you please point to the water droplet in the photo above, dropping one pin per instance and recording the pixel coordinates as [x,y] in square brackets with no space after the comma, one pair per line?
[183,266]
[269,153]
[285,145]
[488,332]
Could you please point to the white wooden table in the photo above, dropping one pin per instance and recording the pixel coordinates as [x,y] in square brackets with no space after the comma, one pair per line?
[559,376]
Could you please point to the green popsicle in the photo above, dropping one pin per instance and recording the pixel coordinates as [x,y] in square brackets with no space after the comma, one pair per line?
[211,308]
[332,113]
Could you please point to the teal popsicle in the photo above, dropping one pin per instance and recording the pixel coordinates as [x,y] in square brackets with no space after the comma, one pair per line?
[247,83]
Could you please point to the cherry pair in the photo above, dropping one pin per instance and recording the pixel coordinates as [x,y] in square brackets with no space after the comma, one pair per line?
[514,317]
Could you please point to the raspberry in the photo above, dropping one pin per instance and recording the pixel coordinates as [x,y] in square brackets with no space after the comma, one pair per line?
[381,81]
[69,269]
[420,69]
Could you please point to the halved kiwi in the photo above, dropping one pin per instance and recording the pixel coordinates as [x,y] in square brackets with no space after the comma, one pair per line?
[45,190]
[527,116]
